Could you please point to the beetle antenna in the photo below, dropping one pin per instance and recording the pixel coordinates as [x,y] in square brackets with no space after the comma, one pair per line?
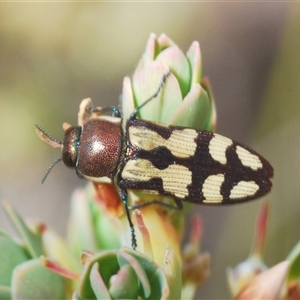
[48,139]
[58,159]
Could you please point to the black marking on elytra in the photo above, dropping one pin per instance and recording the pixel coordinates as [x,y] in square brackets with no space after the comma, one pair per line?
[154,184]
[163,131]
[160,157]
[201,164]
[99,149]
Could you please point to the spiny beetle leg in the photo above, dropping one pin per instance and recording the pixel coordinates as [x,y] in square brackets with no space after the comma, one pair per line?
[114,111]
[123,194]
[162,83]
[87,109]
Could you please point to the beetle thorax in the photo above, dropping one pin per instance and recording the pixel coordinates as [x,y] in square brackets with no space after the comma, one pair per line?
[99,149]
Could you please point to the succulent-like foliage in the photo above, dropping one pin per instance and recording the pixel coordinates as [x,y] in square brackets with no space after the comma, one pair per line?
[43,266]
[252,279]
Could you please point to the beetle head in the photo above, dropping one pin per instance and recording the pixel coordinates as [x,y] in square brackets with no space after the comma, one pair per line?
[69,146]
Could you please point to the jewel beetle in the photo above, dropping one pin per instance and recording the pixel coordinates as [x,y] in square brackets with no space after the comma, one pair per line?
[179,162]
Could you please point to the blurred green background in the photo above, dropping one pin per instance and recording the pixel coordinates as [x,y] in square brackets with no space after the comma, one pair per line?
[52,55]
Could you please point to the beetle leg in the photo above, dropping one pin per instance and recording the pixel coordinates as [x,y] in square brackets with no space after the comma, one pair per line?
[108,109]
[123,194]
[87,110]
[114,111]
[162,83]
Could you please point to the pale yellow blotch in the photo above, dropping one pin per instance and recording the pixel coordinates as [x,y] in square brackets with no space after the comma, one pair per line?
[111,119]
[248,159]
[243,189]
[103,179]
[181,142]
[211,188]
[175,178]
[217,148]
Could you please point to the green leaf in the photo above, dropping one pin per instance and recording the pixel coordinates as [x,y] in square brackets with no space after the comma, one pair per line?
[32,241]
[5,292]
[136,265]
[294,270]
[11,255]
[194,58]
[57,250]
[211,121]
[164,42]
[106,236]
[125,284]
[108,266]
[127,100]
[195,110]
[81,231]
[295,252]
[159,286]
[33,281]
[174,58]
[97,284]
[294,258]
[76,296]
[152,49]
[172,271]
[145,84]
[165,282]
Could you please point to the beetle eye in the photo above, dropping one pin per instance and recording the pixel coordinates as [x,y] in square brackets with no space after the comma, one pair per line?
[70,146]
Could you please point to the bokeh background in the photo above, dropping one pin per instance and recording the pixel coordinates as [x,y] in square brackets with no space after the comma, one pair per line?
[52,55]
